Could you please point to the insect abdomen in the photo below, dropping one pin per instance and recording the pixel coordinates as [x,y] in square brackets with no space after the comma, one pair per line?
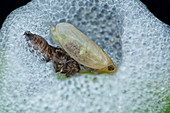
[62,62]
[40,45]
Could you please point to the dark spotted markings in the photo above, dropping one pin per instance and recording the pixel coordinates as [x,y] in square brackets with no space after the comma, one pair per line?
[62,62]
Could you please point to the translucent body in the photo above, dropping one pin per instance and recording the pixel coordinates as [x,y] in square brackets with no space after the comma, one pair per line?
[81,48]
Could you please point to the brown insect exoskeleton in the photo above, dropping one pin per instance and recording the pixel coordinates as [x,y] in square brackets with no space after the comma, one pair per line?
[62,62]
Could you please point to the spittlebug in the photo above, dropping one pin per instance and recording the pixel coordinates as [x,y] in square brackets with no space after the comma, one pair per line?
[81,48]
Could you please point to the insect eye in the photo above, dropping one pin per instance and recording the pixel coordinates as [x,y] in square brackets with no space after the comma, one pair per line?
[111,68]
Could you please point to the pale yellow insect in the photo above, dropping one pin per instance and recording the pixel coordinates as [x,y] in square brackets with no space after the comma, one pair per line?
[81,48]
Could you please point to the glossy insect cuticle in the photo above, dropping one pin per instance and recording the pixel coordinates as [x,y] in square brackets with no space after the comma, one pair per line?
[81,48]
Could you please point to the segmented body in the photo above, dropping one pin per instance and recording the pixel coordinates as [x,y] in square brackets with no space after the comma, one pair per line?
[62,62]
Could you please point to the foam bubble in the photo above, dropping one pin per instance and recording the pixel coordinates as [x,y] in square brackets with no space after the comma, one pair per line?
[135,40]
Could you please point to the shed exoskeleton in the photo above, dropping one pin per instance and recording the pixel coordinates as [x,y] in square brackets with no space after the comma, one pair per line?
[62,62]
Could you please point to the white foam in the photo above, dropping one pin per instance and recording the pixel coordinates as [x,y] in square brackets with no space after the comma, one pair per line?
[140,84]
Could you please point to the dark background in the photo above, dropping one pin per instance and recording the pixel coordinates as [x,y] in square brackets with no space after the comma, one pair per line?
[160,8]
